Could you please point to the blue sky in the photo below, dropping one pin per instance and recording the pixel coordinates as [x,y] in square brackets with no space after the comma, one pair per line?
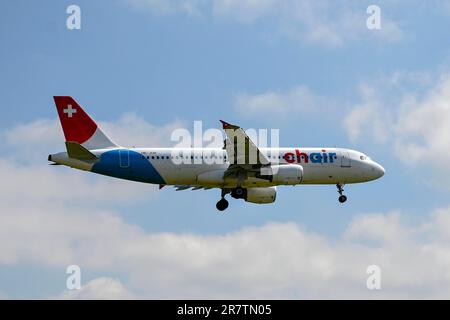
[142,67]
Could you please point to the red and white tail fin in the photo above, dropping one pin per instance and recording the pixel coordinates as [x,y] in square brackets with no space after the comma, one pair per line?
[79,127]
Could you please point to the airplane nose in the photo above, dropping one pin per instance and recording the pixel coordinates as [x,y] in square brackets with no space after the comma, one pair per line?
[378,170]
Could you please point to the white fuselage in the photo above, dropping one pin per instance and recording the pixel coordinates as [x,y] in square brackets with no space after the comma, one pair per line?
[205,166]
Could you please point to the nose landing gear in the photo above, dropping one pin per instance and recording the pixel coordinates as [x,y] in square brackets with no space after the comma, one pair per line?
[342,198]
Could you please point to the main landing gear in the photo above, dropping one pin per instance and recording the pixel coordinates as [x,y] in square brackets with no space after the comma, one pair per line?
[236,193]
[342,198]
[222,204]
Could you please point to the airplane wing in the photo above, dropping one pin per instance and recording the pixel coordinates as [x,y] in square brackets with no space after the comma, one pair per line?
[245,159]
[186,187]
[243,155]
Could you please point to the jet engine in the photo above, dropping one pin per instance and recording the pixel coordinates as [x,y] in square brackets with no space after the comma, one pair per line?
[261,195]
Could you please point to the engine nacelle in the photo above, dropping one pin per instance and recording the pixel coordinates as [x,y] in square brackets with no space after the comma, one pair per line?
[261,195]
[286,174]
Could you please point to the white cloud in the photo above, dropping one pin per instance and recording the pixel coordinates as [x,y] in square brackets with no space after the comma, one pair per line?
[368,118]
[44,183]
[132,130]
[48,197]
[277,260]
[415,126]
[279,104]
[99,289]
[246,10]
[191,8]
[423,127]
[156,6]
[385,228]
[327,23]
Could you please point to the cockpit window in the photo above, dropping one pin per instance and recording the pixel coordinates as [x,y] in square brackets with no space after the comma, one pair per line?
[363,158]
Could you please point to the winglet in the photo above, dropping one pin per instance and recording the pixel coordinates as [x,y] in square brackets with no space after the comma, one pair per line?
[224,124]
[227,125]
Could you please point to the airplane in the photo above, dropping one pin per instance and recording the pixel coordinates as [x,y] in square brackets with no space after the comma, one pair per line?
[240,168]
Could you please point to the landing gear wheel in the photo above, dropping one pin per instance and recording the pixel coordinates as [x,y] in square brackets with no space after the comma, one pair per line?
[342,199]
[239,191]
[222,204]
[340,188]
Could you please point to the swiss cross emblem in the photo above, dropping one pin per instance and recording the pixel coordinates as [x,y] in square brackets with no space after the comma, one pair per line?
[69,111]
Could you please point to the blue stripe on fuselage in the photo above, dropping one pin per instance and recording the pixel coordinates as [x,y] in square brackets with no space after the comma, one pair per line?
[127,164]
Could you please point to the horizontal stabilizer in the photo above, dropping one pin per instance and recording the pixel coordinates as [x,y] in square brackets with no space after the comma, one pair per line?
[77,151]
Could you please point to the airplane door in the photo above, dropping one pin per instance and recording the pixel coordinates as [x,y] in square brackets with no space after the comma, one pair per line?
[346,162]
[124,158]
